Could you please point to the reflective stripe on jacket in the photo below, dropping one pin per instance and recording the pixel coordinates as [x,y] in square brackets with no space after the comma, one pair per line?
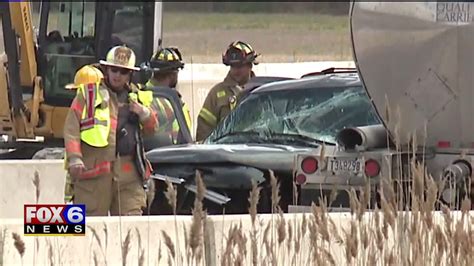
[95,120]
[166,115]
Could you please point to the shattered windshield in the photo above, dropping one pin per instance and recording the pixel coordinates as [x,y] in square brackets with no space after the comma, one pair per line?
[300,114]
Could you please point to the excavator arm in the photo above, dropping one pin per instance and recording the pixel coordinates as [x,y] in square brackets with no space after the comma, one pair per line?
[18,69]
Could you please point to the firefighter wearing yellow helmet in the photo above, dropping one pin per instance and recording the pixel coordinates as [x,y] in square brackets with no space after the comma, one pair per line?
[87,74]
[222,98]
[165,65]
[103,137]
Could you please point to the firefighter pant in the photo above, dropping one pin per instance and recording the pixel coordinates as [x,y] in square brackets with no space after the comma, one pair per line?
[120,192]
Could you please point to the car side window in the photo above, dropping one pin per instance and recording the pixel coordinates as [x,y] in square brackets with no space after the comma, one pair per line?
[166,116]
[170,114]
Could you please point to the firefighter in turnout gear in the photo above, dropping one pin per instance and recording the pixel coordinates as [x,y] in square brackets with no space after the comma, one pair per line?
[87,74]
[222,98]
[165,65]
[103,139]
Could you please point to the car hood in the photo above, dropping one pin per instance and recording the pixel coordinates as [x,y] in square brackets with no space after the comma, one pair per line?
[263,156]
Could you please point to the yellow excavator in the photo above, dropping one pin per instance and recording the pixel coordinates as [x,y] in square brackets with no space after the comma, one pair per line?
[37,62]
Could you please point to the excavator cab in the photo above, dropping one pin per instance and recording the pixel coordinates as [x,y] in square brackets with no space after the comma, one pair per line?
[73,34]
[36,65]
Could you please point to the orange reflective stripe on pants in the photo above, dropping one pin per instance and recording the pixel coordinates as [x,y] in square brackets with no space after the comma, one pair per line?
[127,167]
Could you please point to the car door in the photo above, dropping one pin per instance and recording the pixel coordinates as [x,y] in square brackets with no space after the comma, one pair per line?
[171,97]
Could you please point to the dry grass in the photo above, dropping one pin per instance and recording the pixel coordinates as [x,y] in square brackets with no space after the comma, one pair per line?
[36,183]
[102,248]
[19,245]
[126,247]
[158,259]
[384,236]
[141,251]
[3,234]
[196,236]
[172,197]
[169,244]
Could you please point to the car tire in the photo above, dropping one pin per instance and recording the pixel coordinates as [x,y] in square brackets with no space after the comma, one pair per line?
[159,204]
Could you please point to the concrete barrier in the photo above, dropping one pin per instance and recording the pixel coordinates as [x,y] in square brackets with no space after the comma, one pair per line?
[102,245]
[278,234]
[105,237]
[17,187]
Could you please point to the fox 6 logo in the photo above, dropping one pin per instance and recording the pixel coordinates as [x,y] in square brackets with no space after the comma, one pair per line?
[55,214]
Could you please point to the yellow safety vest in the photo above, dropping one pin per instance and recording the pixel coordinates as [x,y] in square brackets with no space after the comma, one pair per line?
[95,120]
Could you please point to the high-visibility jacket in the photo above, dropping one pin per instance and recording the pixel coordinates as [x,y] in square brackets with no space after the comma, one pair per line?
[166,116]
[91,126]
[95,122]
[219,102]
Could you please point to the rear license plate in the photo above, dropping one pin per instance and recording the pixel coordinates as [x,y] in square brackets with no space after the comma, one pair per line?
[345,165]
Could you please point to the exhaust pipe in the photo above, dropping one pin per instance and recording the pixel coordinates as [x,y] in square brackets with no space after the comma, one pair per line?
[363,138]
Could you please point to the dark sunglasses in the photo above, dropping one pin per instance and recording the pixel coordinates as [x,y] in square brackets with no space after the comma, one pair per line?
[122,71]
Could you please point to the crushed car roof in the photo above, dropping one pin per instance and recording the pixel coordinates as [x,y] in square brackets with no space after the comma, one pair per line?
[316,81]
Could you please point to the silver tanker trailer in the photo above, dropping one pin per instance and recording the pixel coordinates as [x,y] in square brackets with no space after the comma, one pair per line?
[416,62]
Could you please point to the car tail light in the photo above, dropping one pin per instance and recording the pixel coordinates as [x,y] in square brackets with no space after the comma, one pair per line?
[444,144]
[372,168]
[300,179]
[309,165]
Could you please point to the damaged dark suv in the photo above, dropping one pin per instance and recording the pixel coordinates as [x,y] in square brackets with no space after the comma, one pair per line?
[271,124]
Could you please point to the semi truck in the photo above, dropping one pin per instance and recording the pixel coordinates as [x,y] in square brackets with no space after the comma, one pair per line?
[416,63]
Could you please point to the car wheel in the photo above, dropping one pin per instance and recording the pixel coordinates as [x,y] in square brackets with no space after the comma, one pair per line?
[159,205]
